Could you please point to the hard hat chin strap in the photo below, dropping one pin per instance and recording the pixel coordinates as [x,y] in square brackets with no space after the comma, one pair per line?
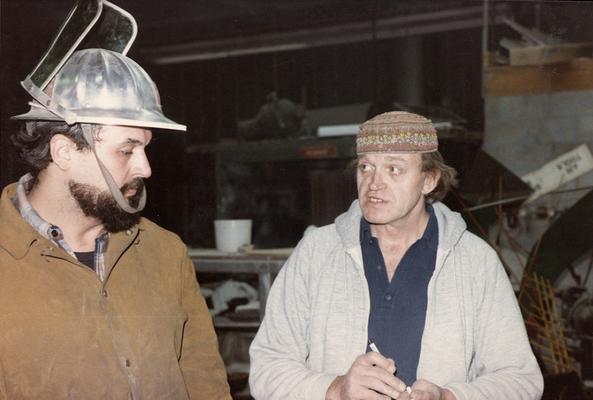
[87,132]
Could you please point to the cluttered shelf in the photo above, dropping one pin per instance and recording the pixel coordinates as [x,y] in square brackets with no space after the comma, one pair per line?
[310,147]
[264,263]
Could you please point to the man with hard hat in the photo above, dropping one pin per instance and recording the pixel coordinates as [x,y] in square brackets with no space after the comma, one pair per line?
[396,299]
[96,302]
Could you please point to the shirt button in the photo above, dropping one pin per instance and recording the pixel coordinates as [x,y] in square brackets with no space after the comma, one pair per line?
[378,268]
[388,297]
[129,232]
[104,293]
[127,363]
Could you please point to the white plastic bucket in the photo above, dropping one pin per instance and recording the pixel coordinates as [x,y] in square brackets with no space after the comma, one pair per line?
[230,234]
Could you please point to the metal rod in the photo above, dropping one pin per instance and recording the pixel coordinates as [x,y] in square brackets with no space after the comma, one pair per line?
[517,198]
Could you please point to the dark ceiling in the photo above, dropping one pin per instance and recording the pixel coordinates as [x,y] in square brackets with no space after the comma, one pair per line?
[212,28]
[174,21]
[219,28]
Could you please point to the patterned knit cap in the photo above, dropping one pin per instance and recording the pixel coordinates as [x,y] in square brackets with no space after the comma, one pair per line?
[397,132]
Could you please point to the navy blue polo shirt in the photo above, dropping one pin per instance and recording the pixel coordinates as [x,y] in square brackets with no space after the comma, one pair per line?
[398,308]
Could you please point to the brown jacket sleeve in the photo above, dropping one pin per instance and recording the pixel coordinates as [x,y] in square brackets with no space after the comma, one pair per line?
[201,364]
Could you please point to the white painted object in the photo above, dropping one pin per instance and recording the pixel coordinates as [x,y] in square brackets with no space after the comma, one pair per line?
[231,234]
[559,171]
[337,130]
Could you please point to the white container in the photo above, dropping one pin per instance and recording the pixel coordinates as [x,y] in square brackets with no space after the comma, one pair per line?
[230,234]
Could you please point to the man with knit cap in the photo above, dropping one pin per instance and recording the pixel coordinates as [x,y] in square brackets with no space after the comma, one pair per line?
[395,299]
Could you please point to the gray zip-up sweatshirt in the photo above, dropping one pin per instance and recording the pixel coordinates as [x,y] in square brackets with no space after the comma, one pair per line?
[474,341]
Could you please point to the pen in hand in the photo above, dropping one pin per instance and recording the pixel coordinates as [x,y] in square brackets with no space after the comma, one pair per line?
[374,348]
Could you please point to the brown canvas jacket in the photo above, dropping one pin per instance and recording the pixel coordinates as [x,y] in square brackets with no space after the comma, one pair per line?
[144,334]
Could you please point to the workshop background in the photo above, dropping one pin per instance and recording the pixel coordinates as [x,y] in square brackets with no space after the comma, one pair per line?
[272,93]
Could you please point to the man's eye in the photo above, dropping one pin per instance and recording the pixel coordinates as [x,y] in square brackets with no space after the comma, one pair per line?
[395,170]
[126,152]
[364,167]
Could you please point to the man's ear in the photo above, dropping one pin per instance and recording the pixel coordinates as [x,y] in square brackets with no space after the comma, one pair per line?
[61,149]
[431,179]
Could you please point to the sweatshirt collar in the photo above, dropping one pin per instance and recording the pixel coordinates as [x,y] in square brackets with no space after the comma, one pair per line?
[450,225]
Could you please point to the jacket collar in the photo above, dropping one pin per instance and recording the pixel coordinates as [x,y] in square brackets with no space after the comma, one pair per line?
[118,244]
[19,235]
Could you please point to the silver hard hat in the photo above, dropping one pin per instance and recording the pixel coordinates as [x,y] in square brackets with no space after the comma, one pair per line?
[98,86]
[85,76]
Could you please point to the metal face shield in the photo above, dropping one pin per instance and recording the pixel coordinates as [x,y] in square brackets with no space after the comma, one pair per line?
[90,24]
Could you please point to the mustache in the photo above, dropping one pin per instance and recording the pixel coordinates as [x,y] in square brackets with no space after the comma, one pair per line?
[135,184]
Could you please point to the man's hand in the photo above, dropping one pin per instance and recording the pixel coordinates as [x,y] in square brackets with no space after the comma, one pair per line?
[369,378]
[425,390]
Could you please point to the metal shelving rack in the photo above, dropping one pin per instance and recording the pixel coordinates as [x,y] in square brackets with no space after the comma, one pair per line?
[263,264]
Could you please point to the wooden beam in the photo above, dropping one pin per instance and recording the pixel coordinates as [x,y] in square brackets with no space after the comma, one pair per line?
[521,80]
[549,54]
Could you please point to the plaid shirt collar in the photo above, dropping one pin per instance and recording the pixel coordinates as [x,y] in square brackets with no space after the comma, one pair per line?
[53,232]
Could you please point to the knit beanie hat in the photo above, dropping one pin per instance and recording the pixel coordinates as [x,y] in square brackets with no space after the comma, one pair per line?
[396,132]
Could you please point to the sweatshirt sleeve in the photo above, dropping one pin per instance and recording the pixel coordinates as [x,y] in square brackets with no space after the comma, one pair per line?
[201,364]
[280,349]
[505,364]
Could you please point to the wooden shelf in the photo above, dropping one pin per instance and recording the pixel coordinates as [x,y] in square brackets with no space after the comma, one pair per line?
[226,323]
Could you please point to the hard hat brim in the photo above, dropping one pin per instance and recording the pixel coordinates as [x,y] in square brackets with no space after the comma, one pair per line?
[141,119]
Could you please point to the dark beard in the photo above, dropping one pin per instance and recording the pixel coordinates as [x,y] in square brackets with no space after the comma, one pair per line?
[102,206]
